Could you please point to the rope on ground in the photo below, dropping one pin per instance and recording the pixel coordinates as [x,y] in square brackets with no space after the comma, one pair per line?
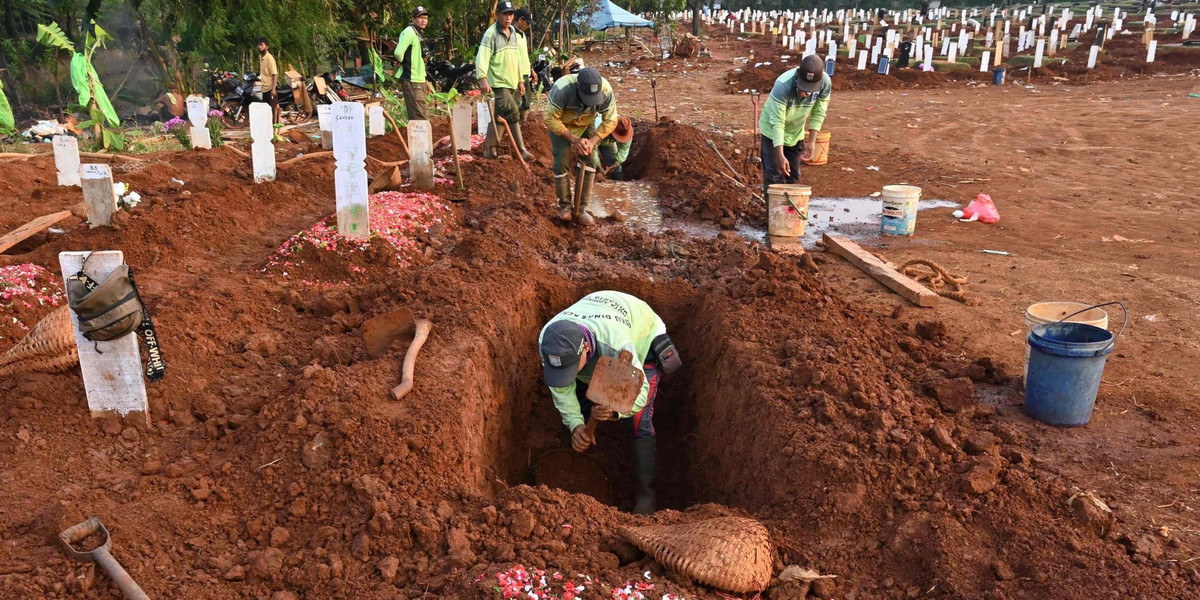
[936,278]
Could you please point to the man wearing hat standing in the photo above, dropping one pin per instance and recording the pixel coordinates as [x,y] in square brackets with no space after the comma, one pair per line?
[603,324]
[412,65]
[524,21]
[499,65]
[572,106]
[800,96]
[614,149]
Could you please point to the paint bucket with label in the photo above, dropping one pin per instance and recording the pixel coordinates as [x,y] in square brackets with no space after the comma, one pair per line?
[900,209]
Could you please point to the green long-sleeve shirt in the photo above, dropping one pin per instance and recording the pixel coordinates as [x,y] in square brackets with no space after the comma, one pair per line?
[565,111]
[502,59]
[408,52]
[616,321]
[785,113]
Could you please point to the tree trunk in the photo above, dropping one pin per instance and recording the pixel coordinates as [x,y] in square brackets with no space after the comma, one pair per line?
[10,23]
[696,18]
[148,38]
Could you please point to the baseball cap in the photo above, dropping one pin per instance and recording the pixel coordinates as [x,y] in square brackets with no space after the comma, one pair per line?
[418,11]
[809,73]
[590,87]
[624,131]
[562,345]
[525,13]
[505,6]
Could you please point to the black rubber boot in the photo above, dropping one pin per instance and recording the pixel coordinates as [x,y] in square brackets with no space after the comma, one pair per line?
[589,177]
[562,189]
[644,458]
[519,138]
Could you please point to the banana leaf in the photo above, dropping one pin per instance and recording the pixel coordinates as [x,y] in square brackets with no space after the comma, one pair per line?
[81,74]
[53,35]
[7,123]
[110,114]
[377,65]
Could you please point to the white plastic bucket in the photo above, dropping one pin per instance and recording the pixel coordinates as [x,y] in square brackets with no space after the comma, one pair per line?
[1053,311]
[900,209]
[787,209]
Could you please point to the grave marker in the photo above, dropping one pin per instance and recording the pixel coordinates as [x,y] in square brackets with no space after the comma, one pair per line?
[1150,50]
[375,119]
[350,177]
[420,143]
[197,112]
[98,194]
[66,159]
[262,131]
[460,117]
[1092,54]
[483,118]
[1037,54]
[112,371]
[983,62]
[862,60]
[324,124]
[953,51]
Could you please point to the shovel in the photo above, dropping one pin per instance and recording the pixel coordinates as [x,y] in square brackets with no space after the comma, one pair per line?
[615,385]
[379,332]
[101,556]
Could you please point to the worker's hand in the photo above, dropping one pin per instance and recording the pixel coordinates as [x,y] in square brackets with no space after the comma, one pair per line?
[585,147]
[578,145]
[600,413]
[807,154]
[783,166]
[533,78]
[581,439]
[484,87]
[520,89]
[430,86]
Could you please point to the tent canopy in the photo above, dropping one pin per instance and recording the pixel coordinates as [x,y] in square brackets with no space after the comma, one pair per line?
[608,15]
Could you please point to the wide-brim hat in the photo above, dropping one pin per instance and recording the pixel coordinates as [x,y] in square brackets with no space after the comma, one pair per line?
[624,131]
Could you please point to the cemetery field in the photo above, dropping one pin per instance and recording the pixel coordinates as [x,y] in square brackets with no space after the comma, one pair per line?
[877,441]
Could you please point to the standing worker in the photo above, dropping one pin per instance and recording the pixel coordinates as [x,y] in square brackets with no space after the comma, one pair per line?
[268,74]
[499,64]
[412,65]
[603,324]
[571,109]
[799,96]
[524,22]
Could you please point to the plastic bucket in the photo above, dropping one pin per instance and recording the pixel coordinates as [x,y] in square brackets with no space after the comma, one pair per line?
[998,76]
[830,65]
[900,209]
[787,209]
[883,65]
[1066,361]
[821,149]
[1052,312]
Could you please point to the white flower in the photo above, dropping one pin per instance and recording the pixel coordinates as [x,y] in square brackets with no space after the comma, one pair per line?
[119,188]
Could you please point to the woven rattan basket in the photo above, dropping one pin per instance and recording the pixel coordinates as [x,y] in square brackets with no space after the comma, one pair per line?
[48,347]
[731,553]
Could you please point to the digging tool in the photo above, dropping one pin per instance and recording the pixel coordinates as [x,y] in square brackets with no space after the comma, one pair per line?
[101,555]
[513,141]
[754,100]
[454,148]
[380,332]
[399,136]
[410,359]
[493,128]
[722,157]
[616,383]
[654,91]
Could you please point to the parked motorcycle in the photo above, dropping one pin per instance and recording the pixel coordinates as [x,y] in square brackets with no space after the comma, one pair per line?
[445,75]
[294,104]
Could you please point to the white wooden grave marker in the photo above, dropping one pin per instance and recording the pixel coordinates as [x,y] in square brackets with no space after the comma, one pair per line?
[262,131]
[1092,54]
[953,52]
[1037,54]
[420,143]
[98,193]
[483,118]
[983,62]
[460,118]
[375,119]
[324,123]
[66,159]
[862,59]
[1053,47]
[1150,50]
[350,177]
[197,111]
[112,371]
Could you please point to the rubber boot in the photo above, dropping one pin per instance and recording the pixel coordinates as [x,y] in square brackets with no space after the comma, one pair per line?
[644,457]
[562,189]
[519,138]
[489,141]
[589,177]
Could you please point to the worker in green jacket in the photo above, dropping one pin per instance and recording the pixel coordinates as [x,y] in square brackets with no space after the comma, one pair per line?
[603,324]
[614,149]
[499,65]
[797,102]
[412,65]
[572,105]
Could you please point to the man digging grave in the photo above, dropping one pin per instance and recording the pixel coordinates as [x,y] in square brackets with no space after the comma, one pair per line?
[578,347]
[572,106]
[500,63]
[799,96]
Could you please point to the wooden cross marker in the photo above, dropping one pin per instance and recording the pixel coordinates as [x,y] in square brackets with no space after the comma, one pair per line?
[350,178]
[98,193]
[66,159]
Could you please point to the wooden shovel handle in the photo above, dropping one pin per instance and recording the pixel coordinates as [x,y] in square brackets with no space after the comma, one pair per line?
[410,359]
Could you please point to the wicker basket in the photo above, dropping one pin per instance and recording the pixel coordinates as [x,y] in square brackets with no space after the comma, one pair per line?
[48,347]
[731,553]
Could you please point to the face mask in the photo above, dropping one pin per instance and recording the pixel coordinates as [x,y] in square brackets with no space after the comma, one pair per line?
[262,52]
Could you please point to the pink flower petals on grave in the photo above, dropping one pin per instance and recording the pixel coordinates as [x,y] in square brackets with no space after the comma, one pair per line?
[536,584]
[20,284]
[395,218]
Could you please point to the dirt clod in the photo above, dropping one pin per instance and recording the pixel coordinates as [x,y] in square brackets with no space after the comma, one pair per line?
[954,394]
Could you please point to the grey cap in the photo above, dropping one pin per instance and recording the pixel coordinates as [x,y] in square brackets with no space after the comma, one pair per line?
[591,86]
[809,74]
[561,348]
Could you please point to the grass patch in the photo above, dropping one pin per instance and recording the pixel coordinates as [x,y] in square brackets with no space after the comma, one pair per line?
[945,67]
[1025,60]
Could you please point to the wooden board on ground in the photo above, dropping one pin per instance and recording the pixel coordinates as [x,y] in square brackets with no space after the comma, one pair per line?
[98,193]
[881,271]
[112,371]
[23,232]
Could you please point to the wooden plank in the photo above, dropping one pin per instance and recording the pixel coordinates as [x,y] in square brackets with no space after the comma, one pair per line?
[112,371]
[21,233]
[881,271]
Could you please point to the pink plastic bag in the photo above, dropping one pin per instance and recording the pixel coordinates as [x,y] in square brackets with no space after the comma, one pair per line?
[984,207]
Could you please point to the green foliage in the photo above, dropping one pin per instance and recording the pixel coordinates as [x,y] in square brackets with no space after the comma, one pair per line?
[381,76]
[7,123]
[83,75]
[52,35]
[110,137]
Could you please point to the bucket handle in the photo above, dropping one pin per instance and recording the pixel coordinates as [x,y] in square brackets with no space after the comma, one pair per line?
[919,171]
[1123,325]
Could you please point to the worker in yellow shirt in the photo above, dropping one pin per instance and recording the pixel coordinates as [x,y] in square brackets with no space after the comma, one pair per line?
[499,65]
[571,109]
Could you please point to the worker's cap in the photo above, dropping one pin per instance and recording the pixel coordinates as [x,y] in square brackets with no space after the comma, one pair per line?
[590,87]
[562,345]
[624,131]
[418,11]
[505,6]
[525,13]
[809,74]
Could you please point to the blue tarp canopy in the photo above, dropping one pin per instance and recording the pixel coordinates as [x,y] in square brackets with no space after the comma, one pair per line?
[608,15]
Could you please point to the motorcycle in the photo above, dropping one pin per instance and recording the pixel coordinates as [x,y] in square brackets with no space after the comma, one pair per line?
[294,104]
[445,75]
[541,66]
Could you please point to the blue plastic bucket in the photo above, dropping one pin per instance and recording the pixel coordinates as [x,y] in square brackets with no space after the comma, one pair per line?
[998,76]
[883,65]
[1066,361]
[830,64]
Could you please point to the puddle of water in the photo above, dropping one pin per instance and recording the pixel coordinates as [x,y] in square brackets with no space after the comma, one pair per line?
[857,218]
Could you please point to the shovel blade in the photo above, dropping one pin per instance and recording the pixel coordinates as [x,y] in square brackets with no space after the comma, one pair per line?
[379,332]
[616,383]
